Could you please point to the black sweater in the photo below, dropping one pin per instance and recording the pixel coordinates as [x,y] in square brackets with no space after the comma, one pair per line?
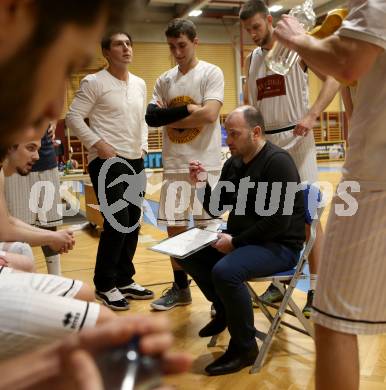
[271,165]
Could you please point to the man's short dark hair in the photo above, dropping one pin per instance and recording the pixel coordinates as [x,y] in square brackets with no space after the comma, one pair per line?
[106,40]
[178,26]
[253,118]
[253,7]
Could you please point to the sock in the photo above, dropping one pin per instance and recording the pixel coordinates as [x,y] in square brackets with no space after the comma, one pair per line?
[313,280]
[181,279]
[53,265]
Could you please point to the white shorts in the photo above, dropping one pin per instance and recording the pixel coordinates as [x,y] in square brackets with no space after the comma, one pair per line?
[302,150]
[351,290]
[36,309]
[178,201]
[25,205]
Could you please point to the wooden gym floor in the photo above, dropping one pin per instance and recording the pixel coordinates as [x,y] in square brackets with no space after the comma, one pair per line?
[290,362]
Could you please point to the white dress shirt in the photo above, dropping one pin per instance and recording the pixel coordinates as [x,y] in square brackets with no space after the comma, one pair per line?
[116,113]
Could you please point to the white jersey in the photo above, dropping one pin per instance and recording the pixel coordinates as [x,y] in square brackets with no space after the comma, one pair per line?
[282,100]
[353,272]
[204,82]
[367,133]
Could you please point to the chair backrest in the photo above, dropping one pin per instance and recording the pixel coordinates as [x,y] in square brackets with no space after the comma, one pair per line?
[313,211]
[314,207]
[312,201]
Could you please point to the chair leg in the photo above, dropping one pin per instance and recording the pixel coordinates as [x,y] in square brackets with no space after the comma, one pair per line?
[260,335]
[272,329]
[265,311]
[213,341]
[266,343]
[307,324]
[252,293]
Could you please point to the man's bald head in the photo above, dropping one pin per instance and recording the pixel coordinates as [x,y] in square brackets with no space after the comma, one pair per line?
[245,132]
[250,115]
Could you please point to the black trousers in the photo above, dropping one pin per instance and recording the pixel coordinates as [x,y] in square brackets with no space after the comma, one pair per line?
[221,279]
[114,263]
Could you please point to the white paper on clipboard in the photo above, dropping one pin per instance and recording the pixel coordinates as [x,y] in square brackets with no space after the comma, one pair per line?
[186,243]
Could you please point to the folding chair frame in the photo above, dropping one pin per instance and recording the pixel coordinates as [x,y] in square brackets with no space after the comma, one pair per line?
[281,282]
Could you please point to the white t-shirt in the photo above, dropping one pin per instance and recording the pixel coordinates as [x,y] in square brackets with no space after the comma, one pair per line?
[367,135]
[204,82]
[116,112]
[282,100]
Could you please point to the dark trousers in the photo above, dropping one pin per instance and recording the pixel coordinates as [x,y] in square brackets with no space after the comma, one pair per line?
[221,279]
[114,263]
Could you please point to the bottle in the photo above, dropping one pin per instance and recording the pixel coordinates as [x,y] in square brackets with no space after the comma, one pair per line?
[280,59]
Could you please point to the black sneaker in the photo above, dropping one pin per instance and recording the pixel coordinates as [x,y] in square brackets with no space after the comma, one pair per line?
[307,308]
[136,291]
[112,299]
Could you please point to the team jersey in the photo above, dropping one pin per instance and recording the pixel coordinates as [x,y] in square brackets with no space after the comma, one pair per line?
[202,83]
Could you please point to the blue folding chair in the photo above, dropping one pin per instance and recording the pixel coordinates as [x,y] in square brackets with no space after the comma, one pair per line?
[286,283]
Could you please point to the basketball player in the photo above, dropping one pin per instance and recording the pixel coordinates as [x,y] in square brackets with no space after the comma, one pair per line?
[18,194]
[186,100]
[351,296]
[55,37]
[20,159]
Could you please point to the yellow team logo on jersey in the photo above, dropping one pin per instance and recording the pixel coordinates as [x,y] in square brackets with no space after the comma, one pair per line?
[182,136]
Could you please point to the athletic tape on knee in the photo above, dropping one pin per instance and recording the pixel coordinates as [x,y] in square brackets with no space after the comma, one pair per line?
[21,248]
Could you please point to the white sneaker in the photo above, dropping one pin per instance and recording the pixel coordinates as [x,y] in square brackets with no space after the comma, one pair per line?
[136,291]
[112,299]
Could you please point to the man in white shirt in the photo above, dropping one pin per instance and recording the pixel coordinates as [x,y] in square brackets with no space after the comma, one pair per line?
[351,294]
[186,100]
[114,101]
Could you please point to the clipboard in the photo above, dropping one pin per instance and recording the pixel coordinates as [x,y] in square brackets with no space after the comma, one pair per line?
[186,243]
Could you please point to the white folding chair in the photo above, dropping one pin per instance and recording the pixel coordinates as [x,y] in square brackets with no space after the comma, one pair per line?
[286,282]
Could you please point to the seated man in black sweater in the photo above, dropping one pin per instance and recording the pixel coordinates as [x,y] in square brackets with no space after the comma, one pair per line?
[265,232]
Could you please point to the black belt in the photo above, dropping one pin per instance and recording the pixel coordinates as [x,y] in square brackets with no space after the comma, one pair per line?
[280,130]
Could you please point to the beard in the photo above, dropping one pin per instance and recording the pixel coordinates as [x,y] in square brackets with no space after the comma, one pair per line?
[23,172]
[267,38]
[234,152]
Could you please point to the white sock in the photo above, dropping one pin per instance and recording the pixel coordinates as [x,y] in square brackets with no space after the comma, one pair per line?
[313,281]
[53,265]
